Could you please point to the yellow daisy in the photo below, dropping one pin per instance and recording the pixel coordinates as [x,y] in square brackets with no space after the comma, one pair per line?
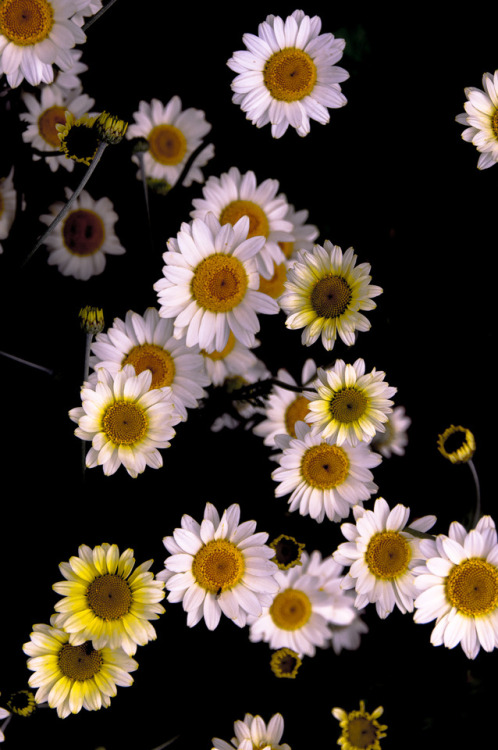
[360,729]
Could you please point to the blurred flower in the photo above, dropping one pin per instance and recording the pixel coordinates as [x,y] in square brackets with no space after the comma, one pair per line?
[285,663]
[4,714]
[233,195]
[85,8]
[229,361]
[105,602]
[459,585]
[34,34]
[481,114]
[43,117]
[253,733]
[350,405]
[173,135]
[210,284]
[324,292]
[457,444]
[147,343]
[74,677]
[382,556]
[80,242]
[304,234]
[394,438]
[8,198]
[22,703]
[219,566]
[287,74]
[68,79]
[360,729]
[79,139]
[348,636]
[287,551]
[91,319]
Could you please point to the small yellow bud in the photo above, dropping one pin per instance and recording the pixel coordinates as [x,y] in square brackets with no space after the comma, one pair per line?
[110,128]
[92,319]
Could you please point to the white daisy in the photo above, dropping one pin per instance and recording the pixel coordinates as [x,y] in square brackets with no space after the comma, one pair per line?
[394,439]
[382,554]
[252,733]
[125,421]
[4,714]
[85,8]
[324,479]
[324,292]
[233,359]
[219,566]
[304,234]
[233,195]
[80,242]
[173,135]
[481,115]
[287,74]
[350,404]
[348,637]
[147,343]
[210,282]
[8,199]
[35,34]
[68,78]
[43,117]
[459,585]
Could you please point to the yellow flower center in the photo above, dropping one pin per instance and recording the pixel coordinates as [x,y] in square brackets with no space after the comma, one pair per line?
[167,144]
[154,358]
[217,355]
[275,286]
[472,587]
[291,609]
[362,733]
[124,423]
[219,283]
[324,466]
[218,566]
[47,125]
[109,597]
[80,663]
[331,296]
[494,123]
[295,412]
[348,405]
[287,248]
[290,74]
[83,232]
[388,555]
[258,222]
[26,21]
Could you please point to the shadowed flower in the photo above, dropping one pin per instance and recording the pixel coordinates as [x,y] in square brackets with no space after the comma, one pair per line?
[457,444]
[360,729]
[285,663]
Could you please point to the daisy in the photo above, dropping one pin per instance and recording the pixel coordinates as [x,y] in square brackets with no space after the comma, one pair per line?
[22,702]
[459,585]
[107,602]
[233,195]
[324,292]
[457,444]
[210,282]
[219,566]
[43,116]
[68,79]
[74,677]
[8,199]
[350,404]
[382,554]
[481,115]
[35,34]
[339,609]
[288,75]
[125,421]
[147,343]
[348,636]
[360,729]
[173,135]
[394,438]
[324,479]
[234,358]
[287,551]
[285,663]
[253,733]
[79,138]
[85,8]
[4,714]
[304,234]
[80,242]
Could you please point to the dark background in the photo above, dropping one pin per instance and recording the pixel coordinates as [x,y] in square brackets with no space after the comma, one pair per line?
[389,175]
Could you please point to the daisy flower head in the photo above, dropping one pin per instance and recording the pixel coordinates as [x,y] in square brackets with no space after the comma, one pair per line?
[22,702]
[304,234]
[323,478]
[394,439]
[219,567]
[210,284]
[324,292]
[147,343]
[233,195]
[45,114]
[173,135]
[351,404]
[458,587]
[79,244]
[457,444]
[79,138]
[125,421]
[3,715]
[360,729]
[35,34]
[287,75]
[233,359]
[382,554]
[285,663]
[287,551]
[481,117]
[348,637]
[252,732]
[74,677]
[106,601]
[8,199]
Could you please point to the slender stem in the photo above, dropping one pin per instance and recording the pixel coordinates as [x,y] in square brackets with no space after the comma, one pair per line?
[26,362]
[165,744]
[98,15]
[193,156]
[144,184]
[88,344]
[289,387]
[477,513]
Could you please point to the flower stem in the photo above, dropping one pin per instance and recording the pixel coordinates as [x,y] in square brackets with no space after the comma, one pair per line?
[477,513]
[26,362]
[98,15]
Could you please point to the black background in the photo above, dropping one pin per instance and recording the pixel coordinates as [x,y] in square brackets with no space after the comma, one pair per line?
[389,175]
